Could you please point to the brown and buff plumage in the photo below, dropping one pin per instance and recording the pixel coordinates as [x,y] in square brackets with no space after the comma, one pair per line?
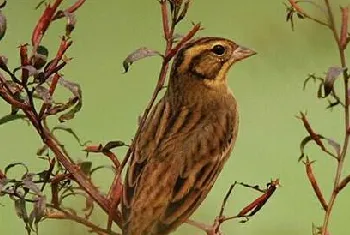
[186,140]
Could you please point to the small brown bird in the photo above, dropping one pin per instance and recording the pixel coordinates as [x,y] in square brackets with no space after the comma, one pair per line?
[185,141]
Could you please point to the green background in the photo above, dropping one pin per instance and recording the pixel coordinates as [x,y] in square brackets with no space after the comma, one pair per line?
[268,88]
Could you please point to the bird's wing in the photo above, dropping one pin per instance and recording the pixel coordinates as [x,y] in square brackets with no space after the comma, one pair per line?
[175,164]
[206,151]
[142,156]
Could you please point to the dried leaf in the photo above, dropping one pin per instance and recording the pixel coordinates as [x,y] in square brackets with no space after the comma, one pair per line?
[61,107]
[138,54]
[38,212]
[28,183]
[71,21]
[71,86]
[75,102]
[32,71]
[21,209]
[335,145]
[44,94]
[332,74]
[71,113]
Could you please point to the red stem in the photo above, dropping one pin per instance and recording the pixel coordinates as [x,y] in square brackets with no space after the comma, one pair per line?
[344,27]
[314,184]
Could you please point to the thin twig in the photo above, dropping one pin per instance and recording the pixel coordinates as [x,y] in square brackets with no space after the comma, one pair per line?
[344,27]
[65,215]
[302,12]
[343,183]
[227,196]
[314,184]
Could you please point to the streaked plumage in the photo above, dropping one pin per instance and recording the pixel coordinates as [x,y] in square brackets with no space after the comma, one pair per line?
[186,140]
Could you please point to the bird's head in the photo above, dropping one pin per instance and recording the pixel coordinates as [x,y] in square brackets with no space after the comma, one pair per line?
[208,59]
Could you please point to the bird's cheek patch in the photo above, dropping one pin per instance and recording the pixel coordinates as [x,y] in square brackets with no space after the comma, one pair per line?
[206,70]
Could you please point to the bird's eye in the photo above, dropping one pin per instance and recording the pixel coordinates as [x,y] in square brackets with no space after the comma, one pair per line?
[218,50]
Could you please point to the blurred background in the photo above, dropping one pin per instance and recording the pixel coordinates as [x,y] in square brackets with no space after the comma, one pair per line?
[268,87]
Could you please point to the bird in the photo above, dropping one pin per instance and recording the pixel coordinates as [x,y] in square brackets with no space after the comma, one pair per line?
[185,141]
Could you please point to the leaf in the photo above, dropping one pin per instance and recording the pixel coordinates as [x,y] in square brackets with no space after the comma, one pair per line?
[44,94]
[9,166]
[39,4]
[39,58]
[183,13]
[3,183]
[21,209]
[89,206]
[113,144]
[42,150]
[71,21]
[138,54]
[300,16]
[332,104]
[29,184]
[75,102]
[3,25]
[335,145]
[38,211]
[312,77]
[69,131]
[71,113]
[303,143]
[10,118]
[3,62]
[102,167]
[71,86]
[86,167]
[332,74]
[77,99]
[43,175]
[32,71]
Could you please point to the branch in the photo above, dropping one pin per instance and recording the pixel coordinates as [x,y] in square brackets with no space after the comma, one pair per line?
[79,177]
[65,215]
[343,184]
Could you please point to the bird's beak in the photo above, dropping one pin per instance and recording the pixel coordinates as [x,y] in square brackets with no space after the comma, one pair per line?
[241,53]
